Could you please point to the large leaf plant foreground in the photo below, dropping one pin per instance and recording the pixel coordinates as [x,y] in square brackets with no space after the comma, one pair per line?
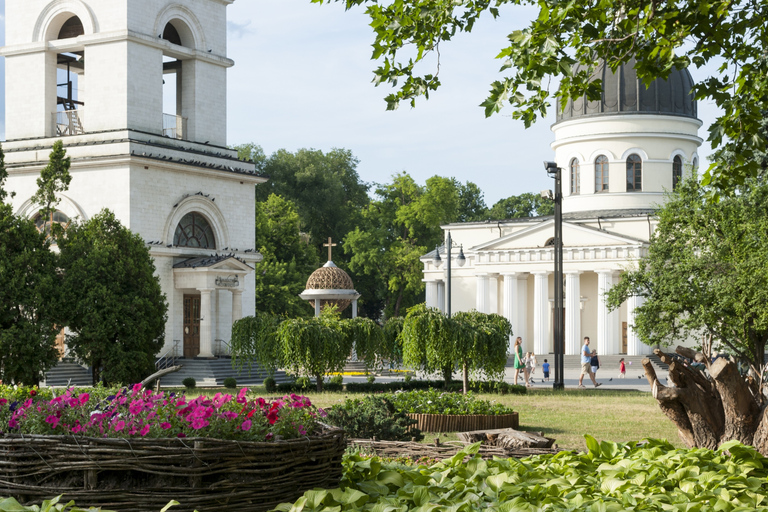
[650,476]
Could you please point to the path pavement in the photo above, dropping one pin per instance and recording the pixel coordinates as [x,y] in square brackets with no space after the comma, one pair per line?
[608,379]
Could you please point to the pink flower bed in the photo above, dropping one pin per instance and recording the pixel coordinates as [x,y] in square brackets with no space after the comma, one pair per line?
[137,412]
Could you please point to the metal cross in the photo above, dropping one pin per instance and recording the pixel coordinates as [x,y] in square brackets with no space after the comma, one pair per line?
[329,245]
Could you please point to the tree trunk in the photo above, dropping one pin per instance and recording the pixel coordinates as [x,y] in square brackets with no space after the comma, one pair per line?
[319,379]
[447,374]
[708,407]
[465,376]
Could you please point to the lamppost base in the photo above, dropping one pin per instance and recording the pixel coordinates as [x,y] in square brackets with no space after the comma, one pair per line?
[558,386]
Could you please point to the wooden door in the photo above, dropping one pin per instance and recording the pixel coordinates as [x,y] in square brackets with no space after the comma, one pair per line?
[191,326]
[623,337]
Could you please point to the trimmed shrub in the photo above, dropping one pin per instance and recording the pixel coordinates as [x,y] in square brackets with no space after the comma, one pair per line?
[371,379]
[230,383]
[189,383]
[373,416]
[337,379]
[270,385]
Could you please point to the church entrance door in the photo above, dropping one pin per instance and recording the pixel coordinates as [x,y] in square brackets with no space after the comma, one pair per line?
[623,337]
[191,326]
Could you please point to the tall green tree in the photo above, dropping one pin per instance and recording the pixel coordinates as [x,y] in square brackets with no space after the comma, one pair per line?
[111,299]
[325,187]
[704,274]
[54,179]
[725,38]
[288,259]
[28,289]
[523,205]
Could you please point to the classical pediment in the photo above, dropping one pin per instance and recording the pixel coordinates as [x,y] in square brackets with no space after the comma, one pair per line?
[574,235]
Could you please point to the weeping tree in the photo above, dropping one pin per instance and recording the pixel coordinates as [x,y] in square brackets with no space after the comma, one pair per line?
[393,342]
[254,340]
[704,278]
[473,341]
[368,339]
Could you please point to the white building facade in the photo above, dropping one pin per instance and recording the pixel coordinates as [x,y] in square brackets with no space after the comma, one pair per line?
[618,157]
[95,74]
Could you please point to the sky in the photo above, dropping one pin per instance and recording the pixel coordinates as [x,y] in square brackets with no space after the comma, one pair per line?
[302,79]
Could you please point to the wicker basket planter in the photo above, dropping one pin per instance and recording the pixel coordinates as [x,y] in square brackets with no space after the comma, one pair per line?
[143,475]
[462,423]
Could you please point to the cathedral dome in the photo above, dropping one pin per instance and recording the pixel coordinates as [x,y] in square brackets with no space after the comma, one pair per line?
[624,93]
[330,277]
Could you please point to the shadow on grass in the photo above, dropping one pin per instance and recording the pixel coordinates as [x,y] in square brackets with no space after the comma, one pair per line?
[589,391]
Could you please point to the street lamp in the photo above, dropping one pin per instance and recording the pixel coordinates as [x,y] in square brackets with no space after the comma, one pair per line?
[553,171]
[460,260]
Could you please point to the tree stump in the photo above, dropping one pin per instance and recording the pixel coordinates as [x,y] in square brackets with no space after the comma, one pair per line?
[712,406]
[507,438]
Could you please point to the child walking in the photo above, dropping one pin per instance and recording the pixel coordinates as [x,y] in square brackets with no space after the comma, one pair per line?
[545,369]
[622,369]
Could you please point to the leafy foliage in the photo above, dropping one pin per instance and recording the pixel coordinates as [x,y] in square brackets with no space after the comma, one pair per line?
[373,416]
[612,477]
[368,339]
[433,401]
[314,346]
[114,306]
[254,340]
[52,505]
[230,383]
[523,205]
[29,287]
[724,37]
[54,179]
[189,383]
[704,272]
[433,342]
[270,385]
[288,259]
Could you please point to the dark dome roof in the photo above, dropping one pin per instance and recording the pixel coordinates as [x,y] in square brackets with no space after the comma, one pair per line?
[624,93]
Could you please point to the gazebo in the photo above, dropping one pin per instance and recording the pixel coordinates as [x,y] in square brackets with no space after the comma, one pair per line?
[329,285]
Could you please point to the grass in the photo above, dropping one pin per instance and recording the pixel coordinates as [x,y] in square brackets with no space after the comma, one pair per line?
[566,415]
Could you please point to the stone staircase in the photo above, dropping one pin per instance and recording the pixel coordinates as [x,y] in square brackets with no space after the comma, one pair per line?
[68,373]
[212,372]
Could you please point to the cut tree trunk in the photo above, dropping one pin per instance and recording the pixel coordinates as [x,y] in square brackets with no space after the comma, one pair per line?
[708,408]
[507,438]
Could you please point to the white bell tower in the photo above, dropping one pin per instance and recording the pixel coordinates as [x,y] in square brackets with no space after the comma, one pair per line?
[136,90]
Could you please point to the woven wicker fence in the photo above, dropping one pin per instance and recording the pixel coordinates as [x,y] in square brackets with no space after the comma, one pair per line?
[143,475]
[460,423]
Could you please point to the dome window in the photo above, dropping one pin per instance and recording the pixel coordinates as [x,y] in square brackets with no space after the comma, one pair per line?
[634,173]
[601,174]
[194,231]
[574,166]
[677,171]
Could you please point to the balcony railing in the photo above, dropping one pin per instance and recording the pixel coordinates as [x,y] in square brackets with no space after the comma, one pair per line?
[174,126]
[68,122]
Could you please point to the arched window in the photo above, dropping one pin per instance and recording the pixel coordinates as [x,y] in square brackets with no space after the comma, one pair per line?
[601,174]
[43,224]
[194,231]
[575,186]
[695,165]
[550,242]
[634,173]
[677,171]
[73,27]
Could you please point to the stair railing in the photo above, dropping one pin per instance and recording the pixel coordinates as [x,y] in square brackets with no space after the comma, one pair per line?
[219,348]
[168,358]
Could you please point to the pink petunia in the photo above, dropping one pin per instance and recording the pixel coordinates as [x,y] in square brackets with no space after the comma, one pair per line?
[84,398]
[270,436]
[241,396]
[322,412]
[229,415]
[136,389]
[52,420]
[136,407]
[3,401]
[165,425]
[272,416]
[198,423]
[246,425]
[144,430]
[181,434]
[119,425]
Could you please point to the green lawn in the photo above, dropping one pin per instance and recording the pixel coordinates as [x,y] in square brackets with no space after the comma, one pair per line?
[566,416]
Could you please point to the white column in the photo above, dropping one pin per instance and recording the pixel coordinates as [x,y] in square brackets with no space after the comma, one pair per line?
[481,300]
[431,297]
[216,308]
[511,302]
[354,308]
[237,305]
[572,312]
[493,294]
[206,324]
[521,329]
[607,322]
[441,296]
[635,347]
[541,312]
[317,307]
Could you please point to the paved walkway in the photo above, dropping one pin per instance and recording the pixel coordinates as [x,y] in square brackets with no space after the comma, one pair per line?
[608,378]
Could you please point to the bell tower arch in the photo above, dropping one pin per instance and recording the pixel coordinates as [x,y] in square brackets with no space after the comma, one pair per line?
[76,67]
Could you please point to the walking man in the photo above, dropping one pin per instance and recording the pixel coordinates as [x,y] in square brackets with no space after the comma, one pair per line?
[586,366]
